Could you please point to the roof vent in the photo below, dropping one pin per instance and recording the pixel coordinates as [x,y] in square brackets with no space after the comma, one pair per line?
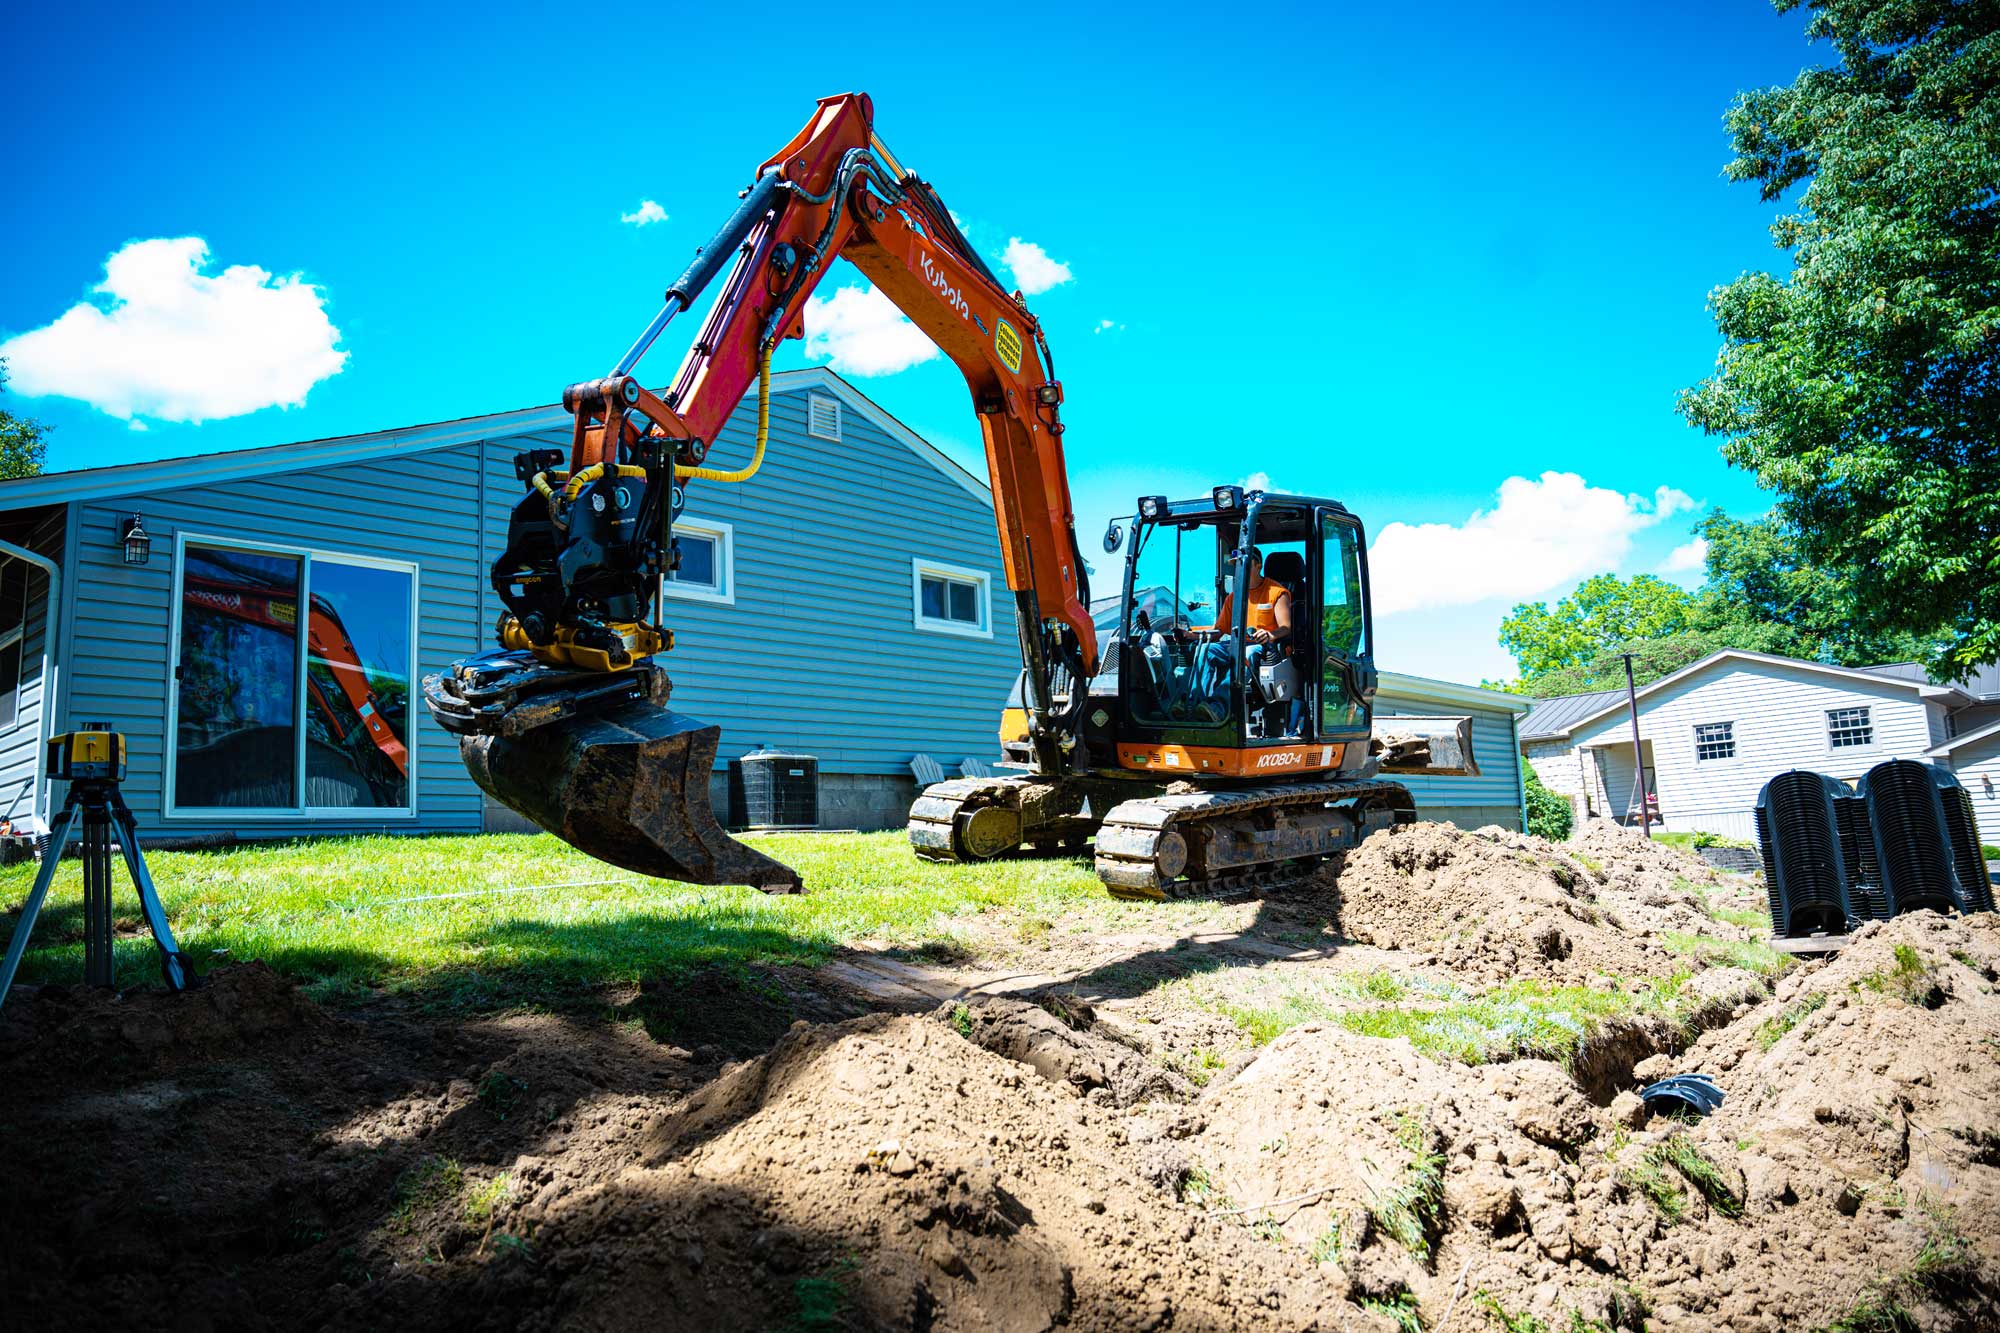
[823,417]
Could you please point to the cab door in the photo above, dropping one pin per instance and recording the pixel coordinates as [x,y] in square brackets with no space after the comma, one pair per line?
[1347,663]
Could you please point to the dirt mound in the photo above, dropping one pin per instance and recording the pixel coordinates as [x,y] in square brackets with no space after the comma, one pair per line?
[880,1173]
[231,1008]
[1493,905]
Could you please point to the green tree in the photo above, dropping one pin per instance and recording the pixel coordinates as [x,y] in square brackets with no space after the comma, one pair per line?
[21,444]
[1604,612]
[1764,593]
[1865,389]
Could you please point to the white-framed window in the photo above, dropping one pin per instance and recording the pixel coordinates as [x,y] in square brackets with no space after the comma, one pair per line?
[1715,740]
[1847,728]
[951,599]
[290,686]
[823,417]
[707,570]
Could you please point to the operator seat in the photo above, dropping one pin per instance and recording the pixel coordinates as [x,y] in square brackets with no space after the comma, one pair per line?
[1289,569]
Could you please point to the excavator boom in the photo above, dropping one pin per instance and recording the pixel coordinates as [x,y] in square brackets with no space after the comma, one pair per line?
[567,722]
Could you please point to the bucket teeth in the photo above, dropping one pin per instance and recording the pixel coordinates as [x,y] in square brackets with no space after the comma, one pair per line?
[628,783]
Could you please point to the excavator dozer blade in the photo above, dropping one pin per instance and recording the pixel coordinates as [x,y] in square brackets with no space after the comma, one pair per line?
[626,783]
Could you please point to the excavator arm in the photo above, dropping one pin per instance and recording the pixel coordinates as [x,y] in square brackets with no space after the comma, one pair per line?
[568,722]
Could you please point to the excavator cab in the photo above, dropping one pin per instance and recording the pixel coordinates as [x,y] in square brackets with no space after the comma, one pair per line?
[1276,680]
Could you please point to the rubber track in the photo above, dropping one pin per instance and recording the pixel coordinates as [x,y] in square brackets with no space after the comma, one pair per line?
[1144,817]
[934,815]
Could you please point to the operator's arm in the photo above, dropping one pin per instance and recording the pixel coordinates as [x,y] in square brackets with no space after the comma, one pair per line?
[1281,614]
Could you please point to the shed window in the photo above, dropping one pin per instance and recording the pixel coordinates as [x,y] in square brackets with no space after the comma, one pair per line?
[291,688]
[823,417]
[950,599]
[1849,727]
[706,572]
[1715,740]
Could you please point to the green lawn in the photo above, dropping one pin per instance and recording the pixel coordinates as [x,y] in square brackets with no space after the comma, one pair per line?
[347,913]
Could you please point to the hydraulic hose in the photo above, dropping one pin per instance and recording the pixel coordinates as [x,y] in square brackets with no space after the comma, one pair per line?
[749,470]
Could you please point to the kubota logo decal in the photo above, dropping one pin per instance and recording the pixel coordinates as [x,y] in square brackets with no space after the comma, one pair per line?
[1008,344]
[951,295]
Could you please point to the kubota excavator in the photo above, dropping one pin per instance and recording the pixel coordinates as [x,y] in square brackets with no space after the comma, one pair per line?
[1202,764]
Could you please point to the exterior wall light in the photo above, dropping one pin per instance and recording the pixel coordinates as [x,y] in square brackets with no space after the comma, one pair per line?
[137,541]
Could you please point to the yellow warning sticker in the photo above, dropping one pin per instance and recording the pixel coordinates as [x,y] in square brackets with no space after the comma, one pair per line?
[1008,344]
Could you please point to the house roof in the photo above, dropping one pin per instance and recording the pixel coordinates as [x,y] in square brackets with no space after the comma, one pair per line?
[1922,688]
[1552,718]
[1957,743]
[233,465]
[1982,684]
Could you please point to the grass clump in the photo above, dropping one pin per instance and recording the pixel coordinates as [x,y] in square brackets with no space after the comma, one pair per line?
[1523,1018]
[961,1021]
[1578,1323]
[1679,1152]
[1649,1178]
[1946,1270]
[1198,1066]
[1750,955]
[1772,1030]
[432,1181]
[1401,1309]
[1909,979]
[1326,1246]
[480,1203]
[1411,1211]
[820,1302]
[1202,1188]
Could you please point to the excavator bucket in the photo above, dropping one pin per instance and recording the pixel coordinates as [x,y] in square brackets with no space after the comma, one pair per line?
[604,766]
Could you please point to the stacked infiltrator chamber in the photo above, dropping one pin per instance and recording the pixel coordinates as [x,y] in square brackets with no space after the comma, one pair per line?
[1904,839]
[1804,874]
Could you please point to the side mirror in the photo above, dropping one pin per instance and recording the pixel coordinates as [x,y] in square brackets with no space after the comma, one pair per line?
[1114,537]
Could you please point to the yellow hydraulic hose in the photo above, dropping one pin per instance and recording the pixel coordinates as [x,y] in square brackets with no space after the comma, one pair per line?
[763,433]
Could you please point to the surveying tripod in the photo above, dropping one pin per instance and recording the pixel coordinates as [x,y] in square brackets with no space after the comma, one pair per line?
[93,763]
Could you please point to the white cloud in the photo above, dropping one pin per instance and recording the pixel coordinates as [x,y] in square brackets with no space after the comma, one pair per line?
[1108,326]
[1543,533]
[175,344]
[1687,558]
[1034,272]
[859,332]
[645,215]
[1256,481]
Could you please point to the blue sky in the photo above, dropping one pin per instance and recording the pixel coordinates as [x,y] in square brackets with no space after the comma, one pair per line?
[1412,258]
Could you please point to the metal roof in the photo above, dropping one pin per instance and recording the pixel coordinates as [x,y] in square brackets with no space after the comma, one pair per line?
[1982,683]
[1552,718]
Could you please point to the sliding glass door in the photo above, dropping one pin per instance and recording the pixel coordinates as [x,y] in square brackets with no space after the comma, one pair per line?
[292,673]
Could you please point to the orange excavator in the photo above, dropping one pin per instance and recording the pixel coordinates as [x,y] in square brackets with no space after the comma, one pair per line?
[1212,758]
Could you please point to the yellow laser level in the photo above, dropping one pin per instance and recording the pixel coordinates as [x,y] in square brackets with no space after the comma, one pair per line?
[92,761]
[94,754]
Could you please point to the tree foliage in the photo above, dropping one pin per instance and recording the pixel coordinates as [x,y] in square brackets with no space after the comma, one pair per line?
[1865,389]
[22,447]
[1603,612]
[1762,595]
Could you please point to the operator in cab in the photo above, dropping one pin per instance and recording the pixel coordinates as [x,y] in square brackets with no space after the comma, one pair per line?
[1267,619]
[1267,606]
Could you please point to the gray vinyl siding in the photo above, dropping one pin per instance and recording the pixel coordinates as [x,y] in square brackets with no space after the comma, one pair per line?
[20,743]
[1494,796]
[1978,768]
[419,508]
[818,653]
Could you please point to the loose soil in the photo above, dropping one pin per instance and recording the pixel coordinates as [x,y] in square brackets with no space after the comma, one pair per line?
[1054,1131]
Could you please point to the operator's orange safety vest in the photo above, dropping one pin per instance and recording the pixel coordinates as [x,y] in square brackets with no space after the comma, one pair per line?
[1260,612]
